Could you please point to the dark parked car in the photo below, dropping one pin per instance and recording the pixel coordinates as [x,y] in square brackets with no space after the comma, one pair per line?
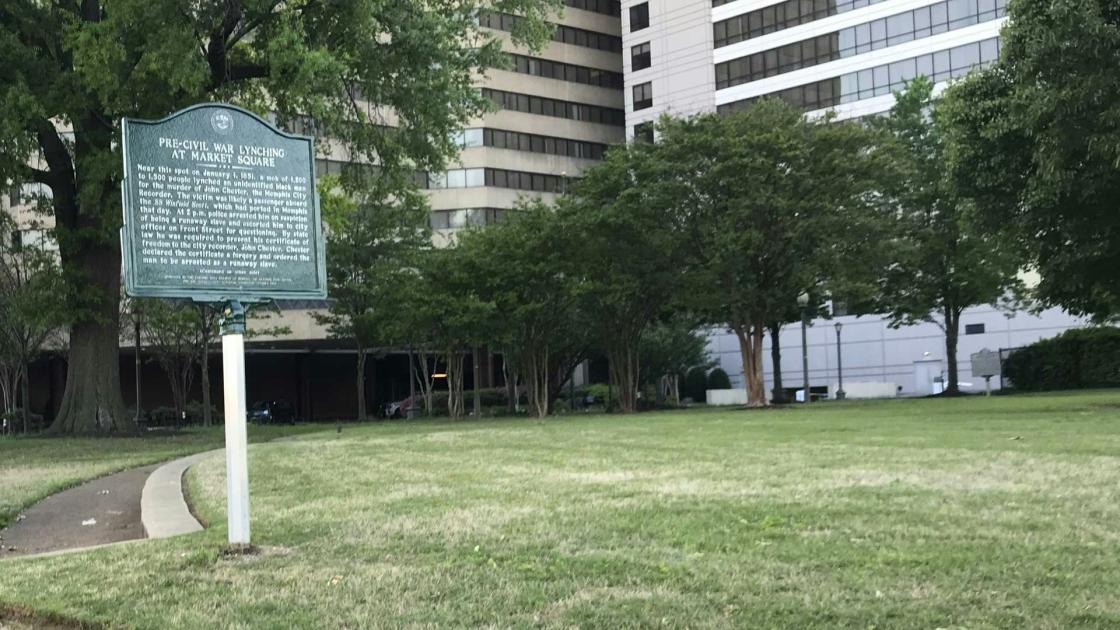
[272,412]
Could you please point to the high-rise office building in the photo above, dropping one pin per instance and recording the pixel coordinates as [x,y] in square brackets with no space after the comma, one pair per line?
[683,57]
[558,110]
[687,56]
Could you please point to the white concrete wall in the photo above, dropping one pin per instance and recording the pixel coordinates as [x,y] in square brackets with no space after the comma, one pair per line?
[874,352]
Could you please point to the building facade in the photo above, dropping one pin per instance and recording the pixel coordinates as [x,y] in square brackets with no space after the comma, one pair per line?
[683,57]
[842,55]
[558,109]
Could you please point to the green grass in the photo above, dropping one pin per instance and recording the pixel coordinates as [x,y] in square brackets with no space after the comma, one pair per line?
[34,468]
[967,513]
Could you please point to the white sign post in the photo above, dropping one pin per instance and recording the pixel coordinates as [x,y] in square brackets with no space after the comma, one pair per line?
[237,451]
[220,207]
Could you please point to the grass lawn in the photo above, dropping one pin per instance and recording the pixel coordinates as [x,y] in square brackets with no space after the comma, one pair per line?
[968,513]
[33,468]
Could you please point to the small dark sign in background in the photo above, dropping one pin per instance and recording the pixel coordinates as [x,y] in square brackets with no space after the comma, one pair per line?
[220,205]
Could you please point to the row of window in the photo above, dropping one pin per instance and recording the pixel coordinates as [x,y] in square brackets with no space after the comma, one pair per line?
[896,29]
[562,33]
[497,178]
[780,17]
[882,80]
[606,7]
[643,95]
[533,143]
[337,167]
[465,217]
[554,107]
[565,71]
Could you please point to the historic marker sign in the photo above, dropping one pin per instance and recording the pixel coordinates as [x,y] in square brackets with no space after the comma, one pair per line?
[220,205]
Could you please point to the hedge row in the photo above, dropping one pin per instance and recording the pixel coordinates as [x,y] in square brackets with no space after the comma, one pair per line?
[1075,359]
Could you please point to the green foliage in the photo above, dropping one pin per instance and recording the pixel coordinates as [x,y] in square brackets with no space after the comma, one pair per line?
[718,379]
[695,384]
[943,261]
[625,255]
[372,251]
[519,266]
[30,316]
[768,204]
[1036,143]
[670,347]
[1076,359]
[351,68]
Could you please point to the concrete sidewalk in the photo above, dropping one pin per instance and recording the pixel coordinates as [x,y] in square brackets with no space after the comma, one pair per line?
[125,506]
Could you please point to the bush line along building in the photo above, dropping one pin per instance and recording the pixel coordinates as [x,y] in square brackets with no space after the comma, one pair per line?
[611,69]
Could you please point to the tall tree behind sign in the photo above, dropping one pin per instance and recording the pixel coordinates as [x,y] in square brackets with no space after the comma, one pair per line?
[72,71]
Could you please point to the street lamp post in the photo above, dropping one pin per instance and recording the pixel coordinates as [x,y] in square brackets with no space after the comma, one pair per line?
[803,302]
[839,366]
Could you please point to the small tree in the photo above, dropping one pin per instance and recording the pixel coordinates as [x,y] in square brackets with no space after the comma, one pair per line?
[173,332]
[29,315]
[442,307]
[944,261]
[626,257]
[518,266]
[768,204]
[372,249]
[668,350]
[1035,145]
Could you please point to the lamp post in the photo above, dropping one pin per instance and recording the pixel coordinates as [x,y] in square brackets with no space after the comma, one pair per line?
[803,302]
[839,365]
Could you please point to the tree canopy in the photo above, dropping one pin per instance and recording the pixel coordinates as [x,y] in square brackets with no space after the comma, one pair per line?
[942,259]
[390,81]
[1035,142]
[768,204]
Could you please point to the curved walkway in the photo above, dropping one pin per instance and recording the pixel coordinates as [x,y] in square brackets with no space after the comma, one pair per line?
[129,505]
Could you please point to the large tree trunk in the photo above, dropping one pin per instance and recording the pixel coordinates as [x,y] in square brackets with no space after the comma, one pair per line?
[361,382]
[952,333]
[623,363]
[92,402]
[779,393]
[750,347]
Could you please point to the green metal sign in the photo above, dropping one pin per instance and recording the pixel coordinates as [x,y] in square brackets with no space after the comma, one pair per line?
[220,205]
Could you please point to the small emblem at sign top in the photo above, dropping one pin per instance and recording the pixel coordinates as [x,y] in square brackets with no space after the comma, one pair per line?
[222,122]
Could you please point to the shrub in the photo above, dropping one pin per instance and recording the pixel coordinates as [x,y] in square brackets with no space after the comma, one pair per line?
[1075,359]
[718,379]
[695,385]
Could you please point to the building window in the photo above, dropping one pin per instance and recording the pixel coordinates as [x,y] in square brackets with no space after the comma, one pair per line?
[464,217]
[565,71]
[974,329]
[896,29]
[561,33]
[606,7]
[882,80]
[643,132]
[643,96]
[553,107]
[639,57]
[518,141]
[639,17]
[779,17]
